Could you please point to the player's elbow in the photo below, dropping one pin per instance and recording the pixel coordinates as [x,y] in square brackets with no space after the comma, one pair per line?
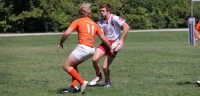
[68,32]
[126,27]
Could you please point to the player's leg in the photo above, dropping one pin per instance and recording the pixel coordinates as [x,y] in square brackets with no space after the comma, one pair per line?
[95,60]
[69,64]
[197,37]
[108,60]
[77,56]
[74,81]
[73,88]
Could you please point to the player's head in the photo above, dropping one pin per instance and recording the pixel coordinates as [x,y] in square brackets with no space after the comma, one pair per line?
[85,10]
[105,10]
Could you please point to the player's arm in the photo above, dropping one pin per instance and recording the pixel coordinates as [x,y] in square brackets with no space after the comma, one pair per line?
[125,30]
[125,27]
[67,33]
[105,41]
[64,37]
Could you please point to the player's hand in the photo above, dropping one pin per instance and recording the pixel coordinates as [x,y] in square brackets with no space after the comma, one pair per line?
[59,46]
[121,44]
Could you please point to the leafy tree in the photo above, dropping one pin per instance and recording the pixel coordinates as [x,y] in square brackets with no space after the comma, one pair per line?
[56,15]
[5,12]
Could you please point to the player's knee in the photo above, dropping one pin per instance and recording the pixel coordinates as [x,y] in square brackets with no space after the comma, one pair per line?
[105,67]
[95,59]
[66,67]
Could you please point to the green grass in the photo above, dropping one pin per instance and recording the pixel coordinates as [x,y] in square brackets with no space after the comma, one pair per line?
[151,64]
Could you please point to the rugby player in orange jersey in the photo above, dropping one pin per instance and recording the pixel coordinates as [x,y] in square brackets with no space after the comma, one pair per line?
[197,29]
[196,33]
[87,29]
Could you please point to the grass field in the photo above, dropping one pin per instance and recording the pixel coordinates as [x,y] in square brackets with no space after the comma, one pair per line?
[151,64]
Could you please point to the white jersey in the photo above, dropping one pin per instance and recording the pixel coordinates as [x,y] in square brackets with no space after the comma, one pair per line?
[112,28]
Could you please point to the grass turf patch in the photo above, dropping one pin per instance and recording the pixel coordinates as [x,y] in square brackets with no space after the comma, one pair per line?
[150,64]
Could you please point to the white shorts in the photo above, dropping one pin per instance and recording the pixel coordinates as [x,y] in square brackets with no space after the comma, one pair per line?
[83,52]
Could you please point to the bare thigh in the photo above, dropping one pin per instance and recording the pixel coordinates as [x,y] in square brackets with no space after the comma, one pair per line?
[98,54]
[71,61]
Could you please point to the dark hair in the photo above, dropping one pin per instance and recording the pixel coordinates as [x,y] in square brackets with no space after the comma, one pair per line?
[107,6]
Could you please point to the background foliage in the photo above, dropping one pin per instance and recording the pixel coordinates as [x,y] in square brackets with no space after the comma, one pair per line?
[56,15]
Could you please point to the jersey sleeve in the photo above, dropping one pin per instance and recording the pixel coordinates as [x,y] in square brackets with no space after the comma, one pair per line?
[100,23]
[99,30]
[118,20]
[73,25]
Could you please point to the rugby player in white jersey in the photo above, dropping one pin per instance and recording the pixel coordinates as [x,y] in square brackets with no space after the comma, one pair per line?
[111,25]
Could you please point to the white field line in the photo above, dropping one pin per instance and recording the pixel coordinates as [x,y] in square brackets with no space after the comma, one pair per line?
[36,34]
[162,30]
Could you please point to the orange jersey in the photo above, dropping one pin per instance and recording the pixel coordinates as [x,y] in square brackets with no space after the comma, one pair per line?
[87,29]
[198,27]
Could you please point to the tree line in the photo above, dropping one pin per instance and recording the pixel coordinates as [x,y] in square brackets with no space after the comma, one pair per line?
[18,16]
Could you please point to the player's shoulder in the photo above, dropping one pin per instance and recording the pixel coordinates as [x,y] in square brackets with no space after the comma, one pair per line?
[117,18]
[79,19]
[100,21]
[113,16]
[89,20]
[76,20]
[96,25]
[84,20]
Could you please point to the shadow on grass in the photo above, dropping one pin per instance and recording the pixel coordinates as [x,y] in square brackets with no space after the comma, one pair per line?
[97,85]
[64,90]
[188,83]
[61,90]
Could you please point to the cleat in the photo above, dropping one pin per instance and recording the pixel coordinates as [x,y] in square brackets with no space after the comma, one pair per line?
[83,87]
[72,89]
[198,82]
[95,80]
[107,84]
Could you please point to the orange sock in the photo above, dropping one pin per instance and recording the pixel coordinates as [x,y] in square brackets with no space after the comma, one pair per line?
[73,82]
[76,76]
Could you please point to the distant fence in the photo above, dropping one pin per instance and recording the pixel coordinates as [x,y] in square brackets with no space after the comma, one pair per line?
[151,30]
